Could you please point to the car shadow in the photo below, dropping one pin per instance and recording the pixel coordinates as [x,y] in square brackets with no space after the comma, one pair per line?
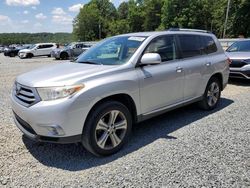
[73,157]
[239,82]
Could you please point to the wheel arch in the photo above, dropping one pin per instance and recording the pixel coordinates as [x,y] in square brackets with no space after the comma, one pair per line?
[219,77]
[123,98]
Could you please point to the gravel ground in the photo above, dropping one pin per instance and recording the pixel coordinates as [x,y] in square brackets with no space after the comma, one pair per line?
[184,148]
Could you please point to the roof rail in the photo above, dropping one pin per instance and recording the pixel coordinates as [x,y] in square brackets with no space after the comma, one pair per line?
[191,30]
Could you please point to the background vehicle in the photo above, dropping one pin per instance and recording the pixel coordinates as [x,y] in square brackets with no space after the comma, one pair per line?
[1,49]
[41,49]
[239,54]
[13,51]
[97,99]
[72,50]
[225,43]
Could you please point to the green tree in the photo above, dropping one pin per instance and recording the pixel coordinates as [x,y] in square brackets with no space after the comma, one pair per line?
[241,24]
[123,10]
[152,14]
[135,15]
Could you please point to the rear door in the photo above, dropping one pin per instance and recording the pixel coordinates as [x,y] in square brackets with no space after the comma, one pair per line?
[194,63]
[78,49]
[48,49]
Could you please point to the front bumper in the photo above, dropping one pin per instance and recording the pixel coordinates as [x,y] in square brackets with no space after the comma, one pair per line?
[44,120]
[30,133]
[243,73]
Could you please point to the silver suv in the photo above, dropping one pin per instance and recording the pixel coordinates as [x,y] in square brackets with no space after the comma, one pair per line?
[120,81]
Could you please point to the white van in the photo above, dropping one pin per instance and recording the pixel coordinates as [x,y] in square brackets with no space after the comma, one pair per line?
[40,49]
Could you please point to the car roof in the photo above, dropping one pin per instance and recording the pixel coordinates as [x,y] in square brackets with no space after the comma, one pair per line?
[45,43]
[157,33]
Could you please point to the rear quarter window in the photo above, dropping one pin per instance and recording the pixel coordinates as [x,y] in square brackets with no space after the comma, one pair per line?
[209,45]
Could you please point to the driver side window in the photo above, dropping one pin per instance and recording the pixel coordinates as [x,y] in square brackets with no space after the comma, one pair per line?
[164,46]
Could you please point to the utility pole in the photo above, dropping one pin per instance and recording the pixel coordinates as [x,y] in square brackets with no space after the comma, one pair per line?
[225,25]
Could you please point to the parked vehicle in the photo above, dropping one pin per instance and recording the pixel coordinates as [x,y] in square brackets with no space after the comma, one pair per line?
[13,51]
[72,50]
[225,43]
[41,49]
[2,49]
[96,99]
[239,53]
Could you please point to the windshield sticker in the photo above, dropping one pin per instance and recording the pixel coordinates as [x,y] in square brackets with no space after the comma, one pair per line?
[137,38]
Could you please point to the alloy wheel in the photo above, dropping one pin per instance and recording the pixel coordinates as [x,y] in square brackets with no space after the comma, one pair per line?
[213,94]
[111,129]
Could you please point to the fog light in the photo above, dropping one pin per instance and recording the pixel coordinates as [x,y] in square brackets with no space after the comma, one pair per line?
[55,130]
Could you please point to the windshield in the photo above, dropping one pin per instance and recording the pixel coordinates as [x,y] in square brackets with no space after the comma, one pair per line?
[32,46]
[70,45]
[112,51]
[240,46]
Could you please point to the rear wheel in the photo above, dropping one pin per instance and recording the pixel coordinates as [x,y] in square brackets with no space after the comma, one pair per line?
[212,94]
[107,128]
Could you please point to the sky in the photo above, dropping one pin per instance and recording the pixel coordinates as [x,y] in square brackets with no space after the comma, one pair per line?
[40,15]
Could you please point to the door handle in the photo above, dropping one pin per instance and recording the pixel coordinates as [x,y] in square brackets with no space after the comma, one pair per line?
[208,64]
[179,69]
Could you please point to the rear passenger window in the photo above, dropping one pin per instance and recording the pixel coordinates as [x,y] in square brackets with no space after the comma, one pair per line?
[165,46]
[209,45]
[190,45]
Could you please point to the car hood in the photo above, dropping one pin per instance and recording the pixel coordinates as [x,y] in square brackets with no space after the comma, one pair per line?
[24,50]
[62,74]
[238,55]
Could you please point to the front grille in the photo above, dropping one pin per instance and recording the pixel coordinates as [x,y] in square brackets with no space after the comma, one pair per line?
[24,95]
[24,124]
[237,63]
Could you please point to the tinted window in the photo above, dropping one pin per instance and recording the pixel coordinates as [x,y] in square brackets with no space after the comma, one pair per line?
[165,46]
[240,46]
[209,45]
[190,45]
[78,46]
[48,46]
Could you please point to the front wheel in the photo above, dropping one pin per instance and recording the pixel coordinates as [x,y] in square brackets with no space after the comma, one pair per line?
[212,94]
[107,128]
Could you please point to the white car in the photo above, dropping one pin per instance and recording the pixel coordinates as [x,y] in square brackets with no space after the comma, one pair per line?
[41,49]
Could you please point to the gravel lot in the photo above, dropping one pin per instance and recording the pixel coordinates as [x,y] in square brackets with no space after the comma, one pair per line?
[184,148]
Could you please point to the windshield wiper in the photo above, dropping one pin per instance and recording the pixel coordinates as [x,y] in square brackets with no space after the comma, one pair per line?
[89,62]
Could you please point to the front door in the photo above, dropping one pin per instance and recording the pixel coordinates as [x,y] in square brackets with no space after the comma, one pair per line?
[161,85]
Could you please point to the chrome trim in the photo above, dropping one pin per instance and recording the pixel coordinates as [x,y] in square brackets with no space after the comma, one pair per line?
[20,95]
[239,74]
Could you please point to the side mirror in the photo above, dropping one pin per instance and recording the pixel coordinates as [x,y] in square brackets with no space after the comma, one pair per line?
[150,59]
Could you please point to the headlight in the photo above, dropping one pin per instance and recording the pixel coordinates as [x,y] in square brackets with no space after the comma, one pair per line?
[53,93]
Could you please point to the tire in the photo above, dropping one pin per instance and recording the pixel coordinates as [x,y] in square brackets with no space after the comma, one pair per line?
[100,133]
[12,54]
[30,55]
[64,56]
[49,55]
[211,96]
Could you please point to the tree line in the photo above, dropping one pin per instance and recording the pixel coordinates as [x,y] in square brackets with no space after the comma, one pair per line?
[31,38]
[100,18]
